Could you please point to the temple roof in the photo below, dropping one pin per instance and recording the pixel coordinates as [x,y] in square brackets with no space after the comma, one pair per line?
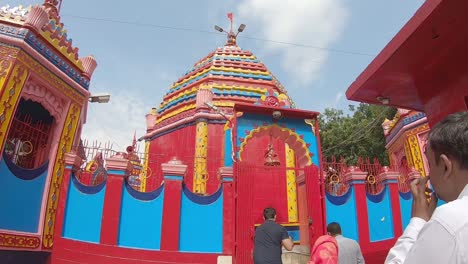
[426,56]
[40,27]
[233,75]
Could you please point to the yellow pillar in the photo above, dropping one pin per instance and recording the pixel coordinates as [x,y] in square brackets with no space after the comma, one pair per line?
[11,85]
[145,173]
[413,154]
[64,146]
[200,175]
[291,184]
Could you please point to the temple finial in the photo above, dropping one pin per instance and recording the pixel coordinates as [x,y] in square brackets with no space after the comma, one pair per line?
[231,36]
[53,7]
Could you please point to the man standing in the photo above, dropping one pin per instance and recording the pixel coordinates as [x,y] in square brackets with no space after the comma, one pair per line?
[269,237]
[349,251]
[439,235]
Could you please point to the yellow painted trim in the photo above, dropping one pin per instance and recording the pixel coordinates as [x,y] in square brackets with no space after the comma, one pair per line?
[64,146]
[144,177]
[176,112]
[291,184]
[415,153]
[225,69]
[10,97]
[62,49]
[200,174]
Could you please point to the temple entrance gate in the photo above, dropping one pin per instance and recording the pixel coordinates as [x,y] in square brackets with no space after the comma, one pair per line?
[258,187]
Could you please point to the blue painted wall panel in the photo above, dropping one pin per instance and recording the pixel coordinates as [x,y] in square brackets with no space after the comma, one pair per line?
[380,218]
[20,200]
[345,215]
[140,222]
[83,215]
[405,205]
[201,226]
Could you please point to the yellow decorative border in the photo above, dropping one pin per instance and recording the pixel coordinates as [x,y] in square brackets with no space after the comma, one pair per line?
[418,130]
[283,129]
[291,184]
[416,155]
[221,56]
[19,241]
[200,173]
[9,98]
[64,146]
[6,57]
[52,79]
[225,69]
[175,112]
[62,49]
[145,168]
[190,91]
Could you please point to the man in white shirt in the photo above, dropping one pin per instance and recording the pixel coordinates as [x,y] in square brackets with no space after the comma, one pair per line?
[349,251]
[439,235]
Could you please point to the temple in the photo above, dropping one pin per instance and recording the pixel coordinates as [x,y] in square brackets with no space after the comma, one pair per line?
[226,141]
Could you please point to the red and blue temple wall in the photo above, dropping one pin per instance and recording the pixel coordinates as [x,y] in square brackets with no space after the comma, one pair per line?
[374,219]
[21,196]
[114,221]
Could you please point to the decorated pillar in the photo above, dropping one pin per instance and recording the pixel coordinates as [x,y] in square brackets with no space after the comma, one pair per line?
[72,165]
[13,76]
[390,178]
[56,179]
[357,180]
[174,172]
[413,151]
[118,168]
[226,177]
[146,172]
[200,174]
[291,184]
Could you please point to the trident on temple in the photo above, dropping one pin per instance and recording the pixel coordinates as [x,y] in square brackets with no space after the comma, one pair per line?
[231,36]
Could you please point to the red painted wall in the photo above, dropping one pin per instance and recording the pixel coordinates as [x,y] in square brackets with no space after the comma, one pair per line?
[269,182]
[179,143]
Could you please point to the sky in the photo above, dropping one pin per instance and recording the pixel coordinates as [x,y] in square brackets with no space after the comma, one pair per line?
[316,48]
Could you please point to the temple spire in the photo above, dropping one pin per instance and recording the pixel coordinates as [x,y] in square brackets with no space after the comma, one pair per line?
[231,36]
[53,7]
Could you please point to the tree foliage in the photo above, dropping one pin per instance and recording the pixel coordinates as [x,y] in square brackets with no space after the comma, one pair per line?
[358,134]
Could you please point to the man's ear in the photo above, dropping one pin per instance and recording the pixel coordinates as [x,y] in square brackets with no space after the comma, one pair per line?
[448,166]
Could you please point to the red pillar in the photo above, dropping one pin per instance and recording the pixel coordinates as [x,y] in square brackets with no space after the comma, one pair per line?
[174,172]
[304,224]
[226,175]
[315,203]
[118,168]
[390,178]
[357,180]
[72,164]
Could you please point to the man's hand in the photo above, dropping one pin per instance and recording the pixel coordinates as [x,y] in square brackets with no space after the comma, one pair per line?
[422,208]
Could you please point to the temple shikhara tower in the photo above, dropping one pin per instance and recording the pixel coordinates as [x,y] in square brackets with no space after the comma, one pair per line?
[225,142]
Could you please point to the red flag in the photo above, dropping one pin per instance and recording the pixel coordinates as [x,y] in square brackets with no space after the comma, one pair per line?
[230,16]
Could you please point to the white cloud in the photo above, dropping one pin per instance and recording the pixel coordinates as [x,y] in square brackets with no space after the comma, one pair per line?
[116,121]
[310,22]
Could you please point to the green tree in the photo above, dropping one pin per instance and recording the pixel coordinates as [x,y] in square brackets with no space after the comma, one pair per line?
[354,135]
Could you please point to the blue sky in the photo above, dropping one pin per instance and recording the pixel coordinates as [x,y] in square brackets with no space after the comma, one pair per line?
[138,60]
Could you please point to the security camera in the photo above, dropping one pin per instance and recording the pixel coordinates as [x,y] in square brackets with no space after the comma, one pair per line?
[277,115]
